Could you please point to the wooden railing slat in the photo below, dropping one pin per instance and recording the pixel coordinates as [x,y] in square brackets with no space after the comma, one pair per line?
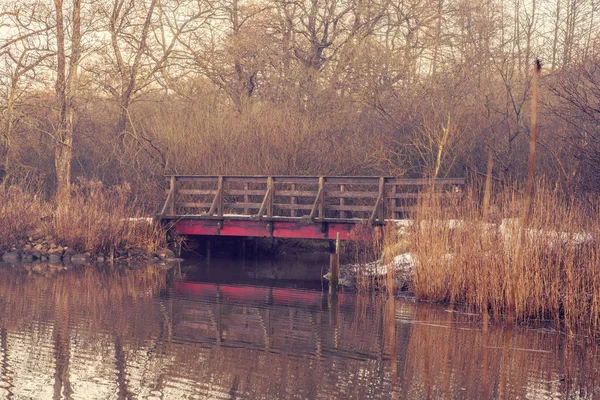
[197,191]
[328,196]
[293,206]
[194,205]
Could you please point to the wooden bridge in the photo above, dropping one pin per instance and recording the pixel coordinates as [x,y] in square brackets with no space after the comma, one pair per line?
[301,207]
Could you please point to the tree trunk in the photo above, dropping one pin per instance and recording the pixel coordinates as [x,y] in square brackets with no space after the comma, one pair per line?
[66,87]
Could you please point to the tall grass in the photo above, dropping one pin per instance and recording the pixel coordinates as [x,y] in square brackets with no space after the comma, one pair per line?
[545,271]
[95,218]
[22,210]
[102,219]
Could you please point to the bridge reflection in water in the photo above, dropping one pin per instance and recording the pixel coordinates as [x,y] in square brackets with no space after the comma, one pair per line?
[145,334]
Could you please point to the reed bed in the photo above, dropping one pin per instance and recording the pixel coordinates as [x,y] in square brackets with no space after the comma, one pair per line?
[95,218]
[22,210]
[545,270]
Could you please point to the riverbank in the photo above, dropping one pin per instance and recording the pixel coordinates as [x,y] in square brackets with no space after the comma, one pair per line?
[495,264]
[96,224]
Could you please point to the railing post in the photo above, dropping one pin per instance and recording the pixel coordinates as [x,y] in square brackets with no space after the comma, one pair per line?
[217,204]
[395,203]
[172,183]
[293,201]
[378,209]
[382,195]
[342,201]
[322,197]
[220,194]
[246,188]
[271,189]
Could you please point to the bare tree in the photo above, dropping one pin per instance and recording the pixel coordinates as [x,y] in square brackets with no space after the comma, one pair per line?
[21,55]
[67,64]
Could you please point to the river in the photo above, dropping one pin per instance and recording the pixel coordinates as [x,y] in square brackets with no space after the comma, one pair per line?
[250,329]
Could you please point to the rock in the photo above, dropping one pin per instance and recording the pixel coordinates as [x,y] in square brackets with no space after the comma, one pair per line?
[56,250]
[36,255]
[55,258]
[27,247]
[66,259]
[166,253]
[37,268]
[27,257]
[11,257]
[80,259]
[44,258]
[38,247]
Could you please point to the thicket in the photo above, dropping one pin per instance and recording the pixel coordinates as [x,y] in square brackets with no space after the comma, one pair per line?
[125,91]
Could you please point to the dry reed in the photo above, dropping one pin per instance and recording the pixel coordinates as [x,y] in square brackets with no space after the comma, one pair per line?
[95,219]
[547,271]
[22,210]
[102,219]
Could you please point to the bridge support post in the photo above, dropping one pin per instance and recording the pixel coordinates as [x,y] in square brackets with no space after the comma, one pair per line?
[334,266]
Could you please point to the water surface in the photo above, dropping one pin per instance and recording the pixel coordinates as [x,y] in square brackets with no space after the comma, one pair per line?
[250,330]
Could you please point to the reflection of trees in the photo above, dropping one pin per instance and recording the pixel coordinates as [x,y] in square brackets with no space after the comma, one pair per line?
[139,343]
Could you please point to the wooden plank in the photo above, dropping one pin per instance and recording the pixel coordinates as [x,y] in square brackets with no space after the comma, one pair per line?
[416,195]
[425,182]
[195,205]
[297,193]
[395,201]
[354,194]
[318,199]
[378,209]
[197,191]
[293,206]
[336,207]
[246,179]
[271,188]
[169,206]
[265,202]
[296,179]
[173,186]
[244,205]
[217,199]
[342,195]
[221,196]
[195,178]
[322,197]
[352,180]
[402,209]
[244,192]
[282,229]
[292,199]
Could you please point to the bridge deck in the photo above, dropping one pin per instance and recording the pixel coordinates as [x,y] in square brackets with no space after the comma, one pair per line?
[291,206]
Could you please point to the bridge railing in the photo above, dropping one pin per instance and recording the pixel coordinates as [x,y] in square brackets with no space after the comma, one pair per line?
[298,197]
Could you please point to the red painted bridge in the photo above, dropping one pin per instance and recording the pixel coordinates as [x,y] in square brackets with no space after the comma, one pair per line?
[300,207]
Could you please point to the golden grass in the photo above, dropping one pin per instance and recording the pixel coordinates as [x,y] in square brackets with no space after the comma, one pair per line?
[95,218]
[546,271]
[21,211]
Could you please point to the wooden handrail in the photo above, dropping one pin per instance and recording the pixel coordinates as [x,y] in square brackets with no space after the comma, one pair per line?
[298,197]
